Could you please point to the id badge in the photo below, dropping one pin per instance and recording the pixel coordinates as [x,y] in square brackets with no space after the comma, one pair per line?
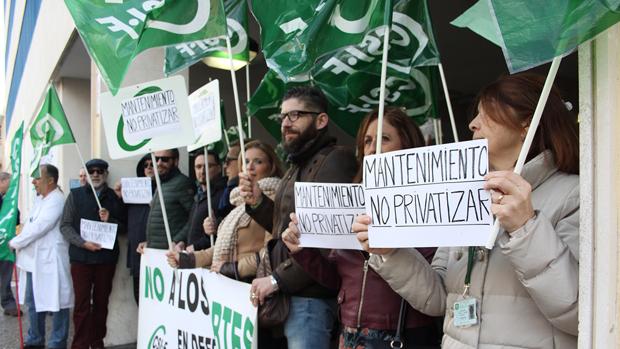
[465,312]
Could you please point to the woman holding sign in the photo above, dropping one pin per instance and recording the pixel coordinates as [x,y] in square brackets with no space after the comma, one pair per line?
[524,292]
[371,313]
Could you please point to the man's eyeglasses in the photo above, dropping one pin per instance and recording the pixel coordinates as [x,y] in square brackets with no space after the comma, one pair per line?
[293,115]
[96,170]
[163,158]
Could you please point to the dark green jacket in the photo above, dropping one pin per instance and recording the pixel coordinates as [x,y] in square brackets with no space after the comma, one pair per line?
[178,191]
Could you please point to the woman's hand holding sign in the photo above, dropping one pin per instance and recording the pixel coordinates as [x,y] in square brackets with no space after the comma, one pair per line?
[511,197]
[249,190]
[360,227]
[291,235]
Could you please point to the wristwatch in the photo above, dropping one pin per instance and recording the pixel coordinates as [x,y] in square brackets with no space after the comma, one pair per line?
[274,282]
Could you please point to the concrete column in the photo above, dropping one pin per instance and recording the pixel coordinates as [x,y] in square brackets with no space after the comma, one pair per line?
[599,75]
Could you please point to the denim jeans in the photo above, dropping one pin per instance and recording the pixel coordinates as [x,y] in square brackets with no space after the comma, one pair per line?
[310,322]
[36,332]
[6,294]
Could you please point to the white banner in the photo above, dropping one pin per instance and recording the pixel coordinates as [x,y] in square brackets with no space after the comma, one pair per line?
[147,117]
[100,232]
[429,197]
[136,190]
[192,308]
[206,115]
[325,213]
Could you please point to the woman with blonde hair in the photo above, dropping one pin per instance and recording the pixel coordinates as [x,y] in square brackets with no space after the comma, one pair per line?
[239,237]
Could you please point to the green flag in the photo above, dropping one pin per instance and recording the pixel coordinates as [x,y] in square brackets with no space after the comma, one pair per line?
[114,32]
[296,33]
[49,128]
[350,75]
[8,212]
[542,30]
[183,55]
[417,94]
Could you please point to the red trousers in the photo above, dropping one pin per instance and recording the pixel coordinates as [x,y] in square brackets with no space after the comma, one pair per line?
[92,284]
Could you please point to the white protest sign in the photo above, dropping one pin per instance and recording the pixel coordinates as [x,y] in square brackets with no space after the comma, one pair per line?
[136,190]
[326,211]
[192,308]
[99,232]
[205,108]
[429,197]
[147,117]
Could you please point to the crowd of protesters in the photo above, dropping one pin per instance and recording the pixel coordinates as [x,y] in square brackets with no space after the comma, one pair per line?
[523,292]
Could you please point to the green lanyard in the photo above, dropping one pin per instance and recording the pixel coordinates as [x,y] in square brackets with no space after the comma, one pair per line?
[471,251]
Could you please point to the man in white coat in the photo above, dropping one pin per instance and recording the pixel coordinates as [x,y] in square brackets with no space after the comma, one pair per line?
[43,254]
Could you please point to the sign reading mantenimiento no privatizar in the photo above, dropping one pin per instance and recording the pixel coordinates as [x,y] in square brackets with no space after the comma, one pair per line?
[147,117]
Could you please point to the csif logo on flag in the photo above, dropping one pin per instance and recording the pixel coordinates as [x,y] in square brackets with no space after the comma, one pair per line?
[41,128]
[138,19]
[238,40]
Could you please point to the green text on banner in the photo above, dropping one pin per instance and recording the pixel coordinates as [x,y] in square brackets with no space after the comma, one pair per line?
[185,306]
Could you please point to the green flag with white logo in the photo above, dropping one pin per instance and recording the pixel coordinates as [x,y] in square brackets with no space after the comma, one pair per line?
[49,128]
[114,32]
[350,75]
[9,212]
[181,56]
[533,32]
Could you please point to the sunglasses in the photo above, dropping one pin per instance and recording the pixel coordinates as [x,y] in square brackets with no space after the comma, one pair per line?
[163,158]
[148,164]
[96,170]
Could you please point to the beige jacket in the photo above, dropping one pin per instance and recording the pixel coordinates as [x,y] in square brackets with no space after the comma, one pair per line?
[526,286]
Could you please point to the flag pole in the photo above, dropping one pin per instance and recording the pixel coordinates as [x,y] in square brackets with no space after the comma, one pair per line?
[161,202]
[436,130]
[19,310]
[384,57]
[448,102]
[90,181]
[529,137]
[237,109]
[208,188]
[247,95]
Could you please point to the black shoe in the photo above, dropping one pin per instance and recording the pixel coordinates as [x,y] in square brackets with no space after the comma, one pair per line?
[13,312]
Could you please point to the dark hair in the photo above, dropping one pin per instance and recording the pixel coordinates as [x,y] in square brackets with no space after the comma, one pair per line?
[309,95]
[511,101]
[276,166]
[408,132]
[175,152]
[51,171]
[215,155]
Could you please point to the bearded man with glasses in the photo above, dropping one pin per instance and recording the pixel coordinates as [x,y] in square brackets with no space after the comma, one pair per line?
[314,157]
[92,268]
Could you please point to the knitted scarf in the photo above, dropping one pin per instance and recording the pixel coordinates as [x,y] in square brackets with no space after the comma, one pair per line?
[225,248]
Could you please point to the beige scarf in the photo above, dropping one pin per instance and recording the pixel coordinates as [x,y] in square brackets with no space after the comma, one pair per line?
[225,248]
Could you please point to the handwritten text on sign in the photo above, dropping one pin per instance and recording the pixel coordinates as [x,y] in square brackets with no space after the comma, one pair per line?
[150,115]
[99,232]
[326,211]
[431,196]
[136,190]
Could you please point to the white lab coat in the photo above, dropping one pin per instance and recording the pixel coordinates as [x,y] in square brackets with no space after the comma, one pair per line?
[42,250]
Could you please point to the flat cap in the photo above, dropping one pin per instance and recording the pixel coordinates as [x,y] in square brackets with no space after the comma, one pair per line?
[99,163]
